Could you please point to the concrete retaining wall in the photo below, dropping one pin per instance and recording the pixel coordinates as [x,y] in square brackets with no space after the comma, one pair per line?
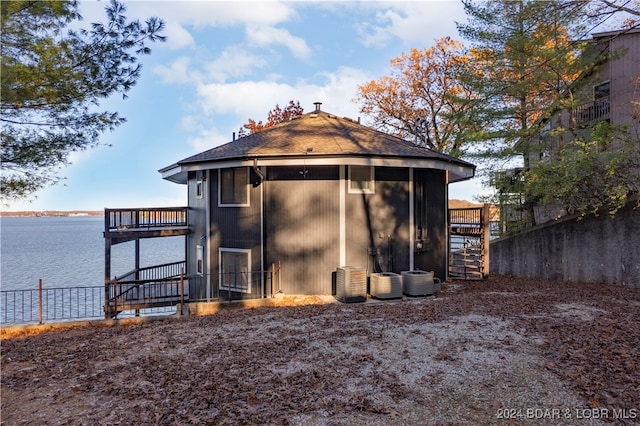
[595,249]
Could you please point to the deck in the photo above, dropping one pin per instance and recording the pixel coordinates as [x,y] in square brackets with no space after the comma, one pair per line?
[142,288]
[122,225]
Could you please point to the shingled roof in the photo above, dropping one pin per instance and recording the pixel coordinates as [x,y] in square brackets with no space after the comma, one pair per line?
[315,135]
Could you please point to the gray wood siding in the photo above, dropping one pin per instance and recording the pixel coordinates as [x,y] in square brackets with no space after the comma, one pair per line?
[197,226]
[235,227]
[302,226]
[380,221]
[431,204]
[622,72]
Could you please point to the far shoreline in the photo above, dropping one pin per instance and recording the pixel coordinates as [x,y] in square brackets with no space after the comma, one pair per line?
[453,204]
[53,213]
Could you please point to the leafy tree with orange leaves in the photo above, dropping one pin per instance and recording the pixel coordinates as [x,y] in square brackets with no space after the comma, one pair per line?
[275,116]
[528,56]
[423,98]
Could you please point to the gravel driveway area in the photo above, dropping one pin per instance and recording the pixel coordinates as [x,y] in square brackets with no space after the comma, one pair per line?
[503,351]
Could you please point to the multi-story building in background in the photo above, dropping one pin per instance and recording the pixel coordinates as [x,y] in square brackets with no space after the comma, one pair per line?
[610,92]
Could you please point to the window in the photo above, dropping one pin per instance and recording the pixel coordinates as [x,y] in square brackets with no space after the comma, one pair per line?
[361,180]
[601,90]
[199,260]
[545,143]
[601,103]
[199,190]
[234,187]
[235,274]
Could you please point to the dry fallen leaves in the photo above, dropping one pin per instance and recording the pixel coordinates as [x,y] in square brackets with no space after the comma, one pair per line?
[458,358]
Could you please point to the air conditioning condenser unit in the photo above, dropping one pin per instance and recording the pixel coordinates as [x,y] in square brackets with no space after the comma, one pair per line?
[385,285]
[351,284]
[417,283]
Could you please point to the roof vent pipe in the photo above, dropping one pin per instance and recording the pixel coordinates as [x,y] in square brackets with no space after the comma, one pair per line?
[317,104]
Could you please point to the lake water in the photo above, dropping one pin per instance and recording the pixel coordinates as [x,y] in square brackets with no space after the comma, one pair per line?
[69,252]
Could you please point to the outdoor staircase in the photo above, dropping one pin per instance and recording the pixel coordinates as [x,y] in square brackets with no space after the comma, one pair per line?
[155,286]
[466,263]
[469,235]
[143,288]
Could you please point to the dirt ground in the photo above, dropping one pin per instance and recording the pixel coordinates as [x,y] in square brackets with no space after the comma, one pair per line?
[503,351]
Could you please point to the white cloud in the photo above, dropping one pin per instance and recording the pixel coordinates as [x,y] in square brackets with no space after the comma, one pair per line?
[337,89]
[178,37]
[233,62]
[182,17]
[334,89]
[201,14]
[265,36]
[233,98]
[415,23]
[77,157]
[189,123]
[179,71]
[207,139]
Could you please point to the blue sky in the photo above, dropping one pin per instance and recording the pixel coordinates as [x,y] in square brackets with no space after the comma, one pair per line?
[225,62]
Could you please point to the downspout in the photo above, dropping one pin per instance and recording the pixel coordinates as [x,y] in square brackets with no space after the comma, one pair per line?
[262,177]
[446,222]
[343,219]
[412,232]
[259,172]
[262,201]
[207,188]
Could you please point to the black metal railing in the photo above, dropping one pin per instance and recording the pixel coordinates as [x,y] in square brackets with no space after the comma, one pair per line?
[159,217]
[236,286]
[51,304]
[166,270]
[35,306]
[133,297]
[144,294]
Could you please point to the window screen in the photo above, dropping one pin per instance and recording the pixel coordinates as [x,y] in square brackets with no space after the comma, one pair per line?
[234,186]
[199,188]
[601,90]
[235,273]
[199,260]
[361,179]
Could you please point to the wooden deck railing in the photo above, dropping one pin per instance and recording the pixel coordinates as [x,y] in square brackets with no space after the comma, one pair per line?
[471,216]
[157,217]
[597,110]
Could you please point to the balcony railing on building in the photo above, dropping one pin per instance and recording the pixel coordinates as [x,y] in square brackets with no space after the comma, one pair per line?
[597,110]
